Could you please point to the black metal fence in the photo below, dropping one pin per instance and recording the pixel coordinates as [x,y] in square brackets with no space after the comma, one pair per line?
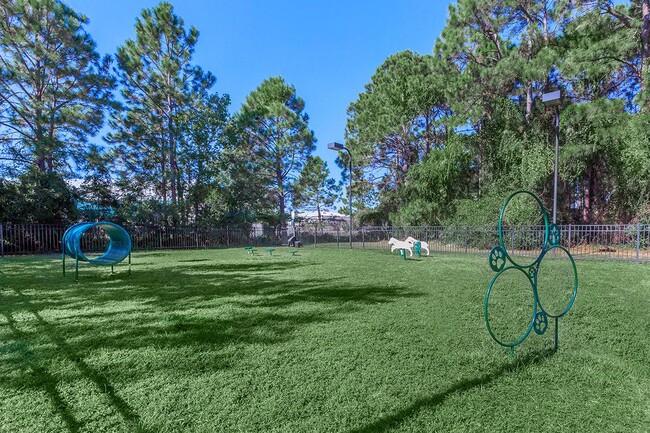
[614,241]
[46,238]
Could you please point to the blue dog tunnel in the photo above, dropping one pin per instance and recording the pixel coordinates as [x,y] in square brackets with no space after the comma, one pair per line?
[119,247]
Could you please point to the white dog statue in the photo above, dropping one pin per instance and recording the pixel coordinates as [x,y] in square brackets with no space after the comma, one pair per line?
[423,244]
[399,245]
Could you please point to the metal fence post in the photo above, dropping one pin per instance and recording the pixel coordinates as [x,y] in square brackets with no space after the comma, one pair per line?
[466,238]
[314,238]
[363,239]
[569,241]
[638,240]
[338,235]
[2,240]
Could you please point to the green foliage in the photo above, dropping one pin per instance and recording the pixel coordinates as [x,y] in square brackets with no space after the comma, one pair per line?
[434,138]
[53,85]
[97,187]
[314,189]
[162,91]
[274,131]
[399,118]
[202,153]
[491,64]
[433,185]
[37,197]
[477,211]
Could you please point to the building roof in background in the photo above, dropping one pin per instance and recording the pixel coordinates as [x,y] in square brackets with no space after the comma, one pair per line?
[325,216]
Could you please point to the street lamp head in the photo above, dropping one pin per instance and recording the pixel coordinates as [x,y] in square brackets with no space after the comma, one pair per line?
[335,146]
[551,99]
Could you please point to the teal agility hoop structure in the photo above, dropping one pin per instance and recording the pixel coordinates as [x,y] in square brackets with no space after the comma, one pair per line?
[500,261]
[119,247]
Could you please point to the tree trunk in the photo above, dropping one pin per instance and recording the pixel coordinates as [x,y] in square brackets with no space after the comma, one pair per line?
[173,166]
[281,194]
[427,129]
[529,88]
[587,194]
[481,155]
[163,174]
[529,101]
[645,49]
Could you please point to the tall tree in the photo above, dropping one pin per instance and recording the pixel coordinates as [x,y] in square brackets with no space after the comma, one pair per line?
[314,188]
[397,121]
[54,86]
[537,25]
[158,81]
[607,51]
[204,139]
[473,47]
[276,131]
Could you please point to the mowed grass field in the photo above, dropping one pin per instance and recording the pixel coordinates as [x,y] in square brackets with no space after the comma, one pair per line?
[327,341]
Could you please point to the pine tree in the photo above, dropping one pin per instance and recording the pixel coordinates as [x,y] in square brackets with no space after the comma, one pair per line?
[314,188]
[399,118]
[54,86]
[158,81]
[274,127]
[205,136]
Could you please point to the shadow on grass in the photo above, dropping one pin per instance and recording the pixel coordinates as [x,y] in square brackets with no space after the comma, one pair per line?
[197,308]
[40,377]
[258,307]
[49,382]
[437,399]
[243,284]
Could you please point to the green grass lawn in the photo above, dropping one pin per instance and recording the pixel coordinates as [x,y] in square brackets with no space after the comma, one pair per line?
[327,341]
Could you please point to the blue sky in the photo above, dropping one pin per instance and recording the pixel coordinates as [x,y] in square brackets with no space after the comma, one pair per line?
[327,49]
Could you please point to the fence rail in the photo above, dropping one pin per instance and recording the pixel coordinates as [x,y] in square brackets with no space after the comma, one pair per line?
[613,241]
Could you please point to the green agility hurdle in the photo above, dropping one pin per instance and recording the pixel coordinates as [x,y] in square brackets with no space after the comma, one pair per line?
[119,247]
[502,261]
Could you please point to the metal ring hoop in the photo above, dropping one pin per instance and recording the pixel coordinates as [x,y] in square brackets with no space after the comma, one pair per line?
[575,282]
[485,309]
[502,213]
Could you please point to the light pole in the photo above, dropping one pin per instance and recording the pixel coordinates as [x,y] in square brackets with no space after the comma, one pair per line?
[338,146]
[553,99]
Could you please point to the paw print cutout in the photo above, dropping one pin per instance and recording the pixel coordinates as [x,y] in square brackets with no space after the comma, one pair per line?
[502,261]
[497,259]
[554,234]
[541,323]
